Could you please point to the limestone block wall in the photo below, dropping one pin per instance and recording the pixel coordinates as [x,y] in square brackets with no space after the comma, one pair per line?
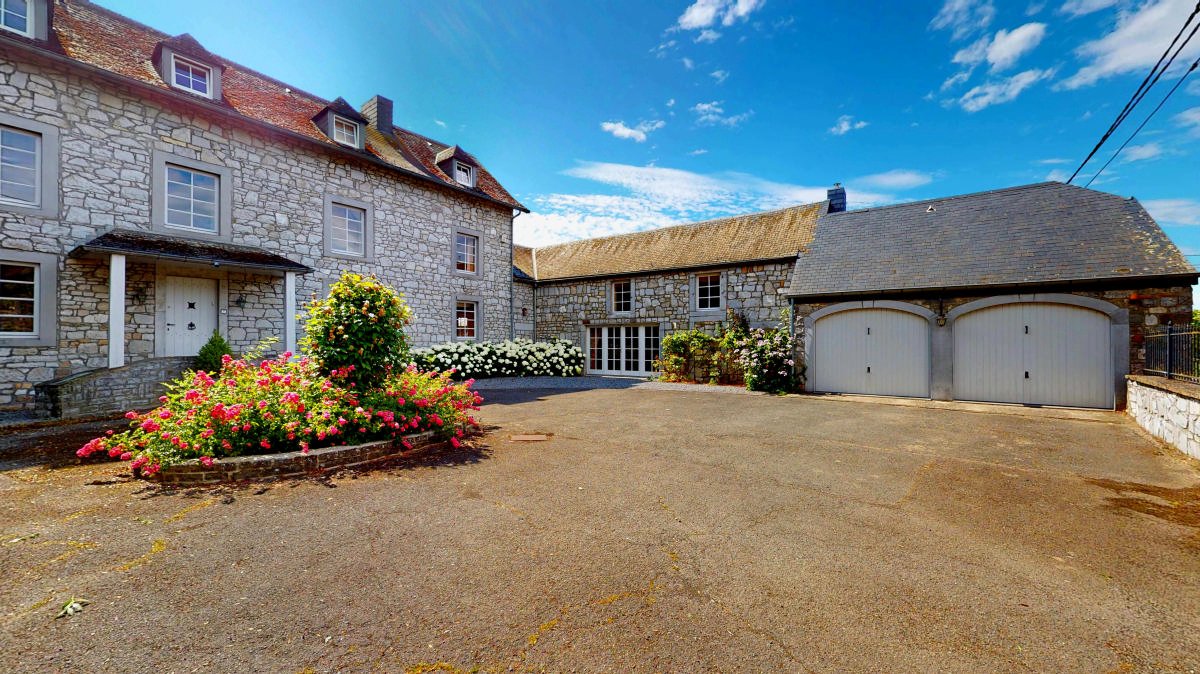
[564,308]
[1168,409]
[109,133]
[523,310]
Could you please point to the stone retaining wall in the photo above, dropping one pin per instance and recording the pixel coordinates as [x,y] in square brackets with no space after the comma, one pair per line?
[292,464]
[104,391]
[1169,409]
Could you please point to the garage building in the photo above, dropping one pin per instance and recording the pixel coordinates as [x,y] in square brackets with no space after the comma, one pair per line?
[1038,295]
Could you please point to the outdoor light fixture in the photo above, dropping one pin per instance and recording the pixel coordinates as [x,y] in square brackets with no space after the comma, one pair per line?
[941,314]
[239,302]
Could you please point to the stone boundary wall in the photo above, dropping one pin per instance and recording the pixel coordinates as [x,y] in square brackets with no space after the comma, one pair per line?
[1169,409]
[292,464]
[105,391]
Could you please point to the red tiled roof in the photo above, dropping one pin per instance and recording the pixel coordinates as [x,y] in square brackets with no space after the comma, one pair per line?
[104,39]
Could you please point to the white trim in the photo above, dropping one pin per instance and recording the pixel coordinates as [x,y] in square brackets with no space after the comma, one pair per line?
[30,19]
[37,303]
[116,310]
[289,311]
[471,179]
[193,64]
[333,128]
[612,297]
[622,355]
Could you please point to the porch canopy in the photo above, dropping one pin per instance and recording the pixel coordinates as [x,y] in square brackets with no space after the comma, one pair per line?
[119,244]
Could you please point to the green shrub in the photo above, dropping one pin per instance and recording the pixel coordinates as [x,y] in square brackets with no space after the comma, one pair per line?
[358,331]
[514,358]
[768,361]
[209,358]
[697,355]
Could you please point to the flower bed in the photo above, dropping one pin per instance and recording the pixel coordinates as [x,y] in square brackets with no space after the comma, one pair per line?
[513,358]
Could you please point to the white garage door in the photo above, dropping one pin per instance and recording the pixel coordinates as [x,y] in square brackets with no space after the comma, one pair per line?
[1036,354]
[872,351]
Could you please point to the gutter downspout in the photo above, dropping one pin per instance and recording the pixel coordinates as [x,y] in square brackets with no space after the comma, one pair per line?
[512,292]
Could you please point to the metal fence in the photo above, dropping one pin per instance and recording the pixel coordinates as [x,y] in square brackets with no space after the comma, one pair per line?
[1174,352]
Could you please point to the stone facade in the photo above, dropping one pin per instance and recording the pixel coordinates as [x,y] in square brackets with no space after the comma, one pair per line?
[109,134]
[1168,409]
[104,391]
[565,308]
[523,309]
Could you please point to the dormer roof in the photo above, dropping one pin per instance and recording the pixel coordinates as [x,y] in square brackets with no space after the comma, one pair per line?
[186,45]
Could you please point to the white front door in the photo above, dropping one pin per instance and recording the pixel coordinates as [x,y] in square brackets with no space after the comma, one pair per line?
[872,351]
[1034,353]
[191,314]
[622,349]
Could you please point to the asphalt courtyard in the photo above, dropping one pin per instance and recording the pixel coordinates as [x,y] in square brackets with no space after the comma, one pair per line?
[653,530]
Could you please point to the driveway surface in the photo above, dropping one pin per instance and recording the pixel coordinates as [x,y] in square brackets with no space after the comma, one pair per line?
[653,531]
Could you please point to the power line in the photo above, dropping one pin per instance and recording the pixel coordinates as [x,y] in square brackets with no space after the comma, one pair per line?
[1147,83]
[1141,126]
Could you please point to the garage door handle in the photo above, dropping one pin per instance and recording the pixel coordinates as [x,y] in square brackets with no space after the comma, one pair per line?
[868,369]
[1027,374]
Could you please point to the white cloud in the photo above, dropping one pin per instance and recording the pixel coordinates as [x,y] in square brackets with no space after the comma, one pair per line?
[1054,160]
[845,124]
[720,76]
[698,151]
[1174,211]
[661,50]
[707,36]
[1009,46]
[687,63]
[1135,44]
[656,197]
[704,13]
[955,80]
[1081,7]
[1058,175]
[637,133]
[713,114]
[439,123]
[1002,50]
[1035,8]
[896,179]
[670,102]
[1001,91]
[964,17]
[1141,152]
[1193,88]
[1189,119]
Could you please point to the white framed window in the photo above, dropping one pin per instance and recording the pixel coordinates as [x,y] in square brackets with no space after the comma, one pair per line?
[464,174]
[466,315]
[348,230]
[15,15]
[18,299]
[623,349]
[193,199]
[20,166]
[345,131]
[191,76]
[708,292]
[466,253]
[622,296]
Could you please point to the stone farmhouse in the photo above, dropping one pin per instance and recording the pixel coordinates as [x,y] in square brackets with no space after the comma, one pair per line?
[1040,294]
[152,191]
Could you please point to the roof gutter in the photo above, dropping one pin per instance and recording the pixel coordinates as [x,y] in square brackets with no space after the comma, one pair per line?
[1166,279]
[230,113]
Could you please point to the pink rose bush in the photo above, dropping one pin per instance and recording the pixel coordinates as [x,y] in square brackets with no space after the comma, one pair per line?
[290,404]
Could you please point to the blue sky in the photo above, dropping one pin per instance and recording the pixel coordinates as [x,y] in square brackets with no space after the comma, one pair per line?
[614,117]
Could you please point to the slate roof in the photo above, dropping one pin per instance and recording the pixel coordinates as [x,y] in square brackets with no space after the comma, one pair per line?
[101,38]
[773,235]
[134,242]
[1032,234]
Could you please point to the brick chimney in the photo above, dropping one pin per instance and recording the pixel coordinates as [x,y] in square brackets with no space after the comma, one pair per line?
[378,112]
[837,198]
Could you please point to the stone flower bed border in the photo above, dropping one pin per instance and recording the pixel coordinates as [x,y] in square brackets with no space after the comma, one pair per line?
[294,464]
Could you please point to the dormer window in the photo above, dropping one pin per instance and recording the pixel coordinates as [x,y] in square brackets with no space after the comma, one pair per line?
[345,131]
[15,16]
[464,174]
[191,76]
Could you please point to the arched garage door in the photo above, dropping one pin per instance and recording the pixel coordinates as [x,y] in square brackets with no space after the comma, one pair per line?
[1035,354]
[872,351]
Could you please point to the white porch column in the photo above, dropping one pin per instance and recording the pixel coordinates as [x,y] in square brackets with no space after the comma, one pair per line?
[116,310]
[289,311]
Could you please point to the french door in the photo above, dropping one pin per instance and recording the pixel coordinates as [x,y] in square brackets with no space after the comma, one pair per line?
[622,349]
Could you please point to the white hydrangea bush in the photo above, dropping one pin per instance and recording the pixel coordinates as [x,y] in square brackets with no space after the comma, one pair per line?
[513,358]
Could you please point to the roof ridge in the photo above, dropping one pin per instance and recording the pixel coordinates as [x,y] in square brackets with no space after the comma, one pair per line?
[681,225]
[999,190]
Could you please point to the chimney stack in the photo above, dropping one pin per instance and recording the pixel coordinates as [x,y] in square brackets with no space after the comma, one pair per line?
[378,112]
[837,198]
